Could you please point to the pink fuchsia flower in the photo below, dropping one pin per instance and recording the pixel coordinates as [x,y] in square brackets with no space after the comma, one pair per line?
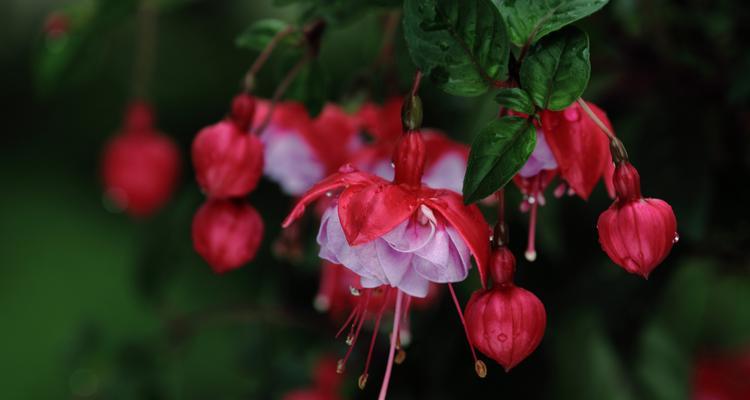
[570,144]
[400,234]
[228,159]
[505,322]
[300,150]
[227,233]
[140,166]
[636,233]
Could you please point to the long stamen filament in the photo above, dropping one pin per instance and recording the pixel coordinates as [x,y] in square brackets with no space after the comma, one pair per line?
[363,377]
[392,351]
[463,322]
[530,247]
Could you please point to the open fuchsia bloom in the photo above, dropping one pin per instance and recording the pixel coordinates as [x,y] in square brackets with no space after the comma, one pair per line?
[228,160]
[140,166]
[300,150]
[399,235]
[636,233]
[505,322]
[227,233]
[570,144]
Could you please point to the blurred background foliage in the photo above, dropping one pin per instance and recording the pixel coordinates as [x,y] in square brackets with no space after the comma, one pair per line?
[95,305]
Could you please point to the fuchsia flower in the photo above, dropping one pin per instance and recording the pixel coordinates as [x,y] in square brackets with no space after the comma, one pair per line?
[140,166]
[227,233]
[636,233]
[506,322]
[397,234]
[570,144]
[301,151]
[228,160]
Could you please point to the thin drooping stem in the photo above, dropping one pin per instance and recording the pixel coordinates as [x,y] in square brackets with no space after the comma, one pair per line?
[500,206]
[145,49]
[416,84]
[249,80]
[596,119]
[392,350]
[281,89]
[617,148]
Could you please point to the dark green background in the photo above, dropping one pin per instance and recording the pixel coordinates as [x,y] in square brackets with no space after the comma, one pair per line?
[95,305]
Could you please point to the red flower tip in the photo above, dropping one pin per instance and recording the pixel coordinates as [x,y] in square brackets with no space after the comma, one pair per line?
[636,233]
[506,323]
[228,162]
[140,171]
[56,25]
[227,233]
[243,111]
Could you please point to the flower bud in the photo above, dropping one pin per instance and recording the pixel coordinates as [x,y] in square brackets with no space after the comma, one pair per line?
[506,323]
[228,163]
[227,233]
[140,171]
[502,266]
[636,233]
[243,111]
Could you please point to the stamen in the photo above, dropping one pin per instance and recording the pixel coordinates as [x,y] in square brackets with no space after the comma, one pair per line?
[349,319]
[530,248]
[466,330]
[374,335]
[362,381]
[355,334]
[392,351]
[400,357]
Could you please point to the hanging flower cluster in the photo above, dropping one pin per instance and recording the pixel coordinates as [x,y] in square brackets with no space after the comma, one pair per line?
[140,166]
[228,161]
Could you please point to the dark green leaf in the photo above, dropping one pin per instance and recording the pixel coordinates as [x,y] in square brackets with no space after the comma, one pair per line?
[538,18]
[461,45]
[515,99]
[499,150]
[557,69]
[257,36]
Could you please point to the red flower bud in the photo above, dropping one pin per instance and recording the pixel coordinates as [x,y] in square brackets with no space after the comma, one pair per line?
[506,323]
[636,233]
[227,233]
[140,167]
[243,111]
[502,266]
[56,25]
[228,162]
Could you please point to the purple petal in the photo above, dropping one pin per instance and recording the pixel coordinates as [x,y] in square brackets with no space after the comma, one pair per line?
[290,162]
[542,158]
[447,173]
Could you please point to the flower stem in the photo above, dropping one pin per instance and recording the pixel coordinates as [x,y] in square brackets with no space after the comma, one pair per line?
[249,80]
[145,47]
[392,351]
[617,148]
[281,89]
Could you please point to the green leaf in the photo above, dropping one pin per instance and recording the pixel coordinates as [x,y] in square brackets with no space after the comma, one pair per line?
[557,69]
[515,99]
[538,18]
[260,33]
[461,45]
[498,152]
